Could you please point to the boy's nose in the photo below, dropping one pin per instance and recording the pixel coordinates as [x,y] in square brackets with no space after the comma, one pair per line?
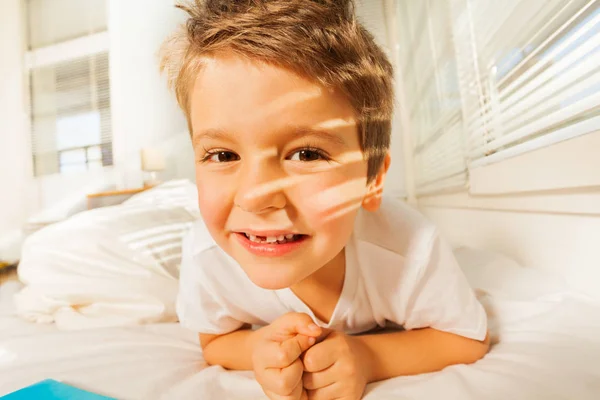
[261,189]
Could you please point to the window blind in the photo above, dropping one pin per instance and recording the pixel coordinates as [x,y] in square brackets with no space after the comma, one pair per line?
[68,64]
[487,80]
[433,97]
[71,117]
[531,74]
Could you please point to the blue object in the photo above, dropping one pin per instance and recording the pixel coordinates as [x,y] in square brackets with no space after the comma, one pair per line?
[53,390]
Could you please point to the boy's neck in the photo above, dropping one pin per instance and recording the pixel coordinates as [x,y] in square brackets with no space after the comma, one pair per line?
[321,290]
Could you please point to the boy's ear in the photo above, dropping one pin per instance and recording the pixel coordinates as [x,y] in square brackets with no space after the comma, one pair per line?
[372,200]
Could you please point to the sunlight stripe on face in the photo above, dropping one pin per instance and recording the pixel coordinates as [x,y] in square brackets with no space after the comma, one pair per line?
[290,99]
[335,123]
[351,206]
[351,157]
[338,195]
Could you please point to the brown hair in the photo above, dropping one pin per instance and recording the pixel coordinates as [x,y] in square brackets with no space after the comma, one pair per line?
[319,39]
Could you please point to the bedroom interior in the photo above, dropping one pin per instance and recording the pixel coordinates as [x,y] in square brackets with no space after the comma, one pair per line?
[496,139]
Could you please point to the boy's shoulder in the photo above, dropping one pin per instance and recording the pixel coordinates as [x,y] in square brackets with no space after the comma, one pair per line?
[396,227]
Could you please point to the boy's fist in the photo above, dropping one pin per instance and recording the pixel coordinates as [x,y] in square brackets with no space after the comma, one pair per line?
[336,368]
[276,355]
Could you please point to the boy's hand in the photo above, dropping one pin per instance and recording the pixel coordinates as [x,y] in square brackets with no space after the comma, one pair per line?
[337,368]
[276,355]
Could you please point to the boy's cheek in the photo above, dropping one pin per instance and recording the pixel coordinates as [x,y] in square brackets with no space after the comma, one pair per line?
[212,200]
[332,194]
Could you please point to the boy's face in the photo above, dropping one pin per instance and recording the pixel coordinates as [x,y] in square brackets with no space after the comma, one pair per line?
[279,168]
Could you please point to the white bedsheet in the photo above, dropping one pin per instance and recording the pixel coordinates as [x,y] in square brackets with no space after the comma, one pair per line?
[549,349]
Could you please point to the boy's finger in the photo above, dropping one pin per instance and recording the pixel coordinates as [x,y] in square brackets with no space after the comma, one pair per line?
[281,355]
[292,324]
[319,357]
[295,346]
[283,381]
[297,394]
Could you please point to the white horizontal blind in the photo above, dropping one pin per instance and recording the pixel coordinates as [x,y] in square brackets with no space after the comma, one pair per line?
[69,85]
[530,71]
[428,65]
[70,115]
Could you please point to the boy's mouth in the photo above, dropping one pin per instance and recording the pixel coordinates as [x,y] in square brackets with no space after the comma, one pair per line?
[279,239]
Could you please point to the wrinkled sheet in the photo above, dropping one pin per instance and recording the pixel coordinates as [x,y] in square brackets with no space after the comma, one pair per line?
[548,348]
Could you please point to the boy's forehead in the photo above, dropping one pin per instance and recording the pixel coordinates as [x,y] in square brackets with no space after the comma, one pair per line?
[235,89]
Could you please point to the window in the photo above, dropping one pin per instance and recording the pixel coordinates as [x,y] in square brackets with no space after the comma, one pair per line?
[537,72]
[428,64]
[69,86]
[488,80]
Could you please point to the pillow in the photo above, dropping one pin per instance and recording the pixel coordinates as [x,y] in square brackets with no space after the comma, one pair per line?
[181,192]
[105,267]
[501,276]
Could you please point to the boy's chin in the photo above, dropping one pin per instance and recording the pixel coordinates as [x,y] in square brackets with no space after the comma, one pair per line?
[270,281]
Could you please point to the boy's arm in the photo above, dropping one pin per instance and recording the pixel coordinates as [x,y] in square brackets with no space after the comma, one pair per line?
[417,351]
[231,351]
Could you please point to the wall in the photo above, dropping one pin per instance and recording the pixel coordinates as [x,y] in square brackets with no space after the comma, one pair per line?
[144,114]
[563,244]
[541,208]
[144,111]
[15,160]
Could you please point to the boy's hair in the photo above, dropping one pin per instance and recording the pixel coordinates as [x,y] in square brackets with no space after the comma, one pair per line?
[318,39]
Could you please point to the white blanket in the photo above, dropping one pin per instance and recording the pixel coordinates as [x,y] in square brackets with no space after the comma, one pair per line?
[547,342]
[114,266]
[549,349]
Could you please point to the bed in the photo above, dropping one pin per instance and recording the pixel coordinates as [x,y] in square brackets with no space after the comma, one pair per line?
[546,345]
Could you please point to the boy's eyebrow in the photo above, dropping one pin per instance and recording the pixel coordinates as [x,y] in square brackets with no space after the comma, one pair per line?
[299,132]
[211,133]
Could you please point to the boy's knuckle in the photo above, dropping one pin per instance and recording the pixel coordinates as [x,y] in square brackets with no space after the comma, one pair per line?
[289,383]
[348,369]
[281,357]
[309,362]
[283,386]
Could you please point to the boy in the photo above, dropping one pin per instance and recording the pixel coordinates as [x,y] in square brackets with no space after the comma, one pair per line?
[289,103]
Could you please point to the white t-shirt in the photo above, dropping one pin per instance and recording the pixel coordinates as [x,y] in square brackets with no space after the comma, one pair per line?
[398,272]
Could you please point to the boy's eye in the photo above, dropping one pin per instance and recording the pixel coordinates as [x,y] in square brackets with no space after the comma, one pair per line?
[222,157]
[307,155]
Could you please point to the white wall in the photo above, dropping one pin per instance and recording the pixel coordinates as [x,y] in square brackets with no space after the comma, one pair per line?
[15,159]
[82,18]
[540,208]
[144,111]
[561,243]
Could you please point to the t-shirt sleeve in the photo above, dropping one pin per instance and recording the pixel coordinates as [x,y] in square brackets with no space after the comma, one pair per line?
[199,306]
[441,297]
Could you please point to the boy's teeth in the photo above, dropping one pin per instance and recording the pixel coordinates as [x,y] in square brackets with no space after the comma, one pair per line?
[271,239]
